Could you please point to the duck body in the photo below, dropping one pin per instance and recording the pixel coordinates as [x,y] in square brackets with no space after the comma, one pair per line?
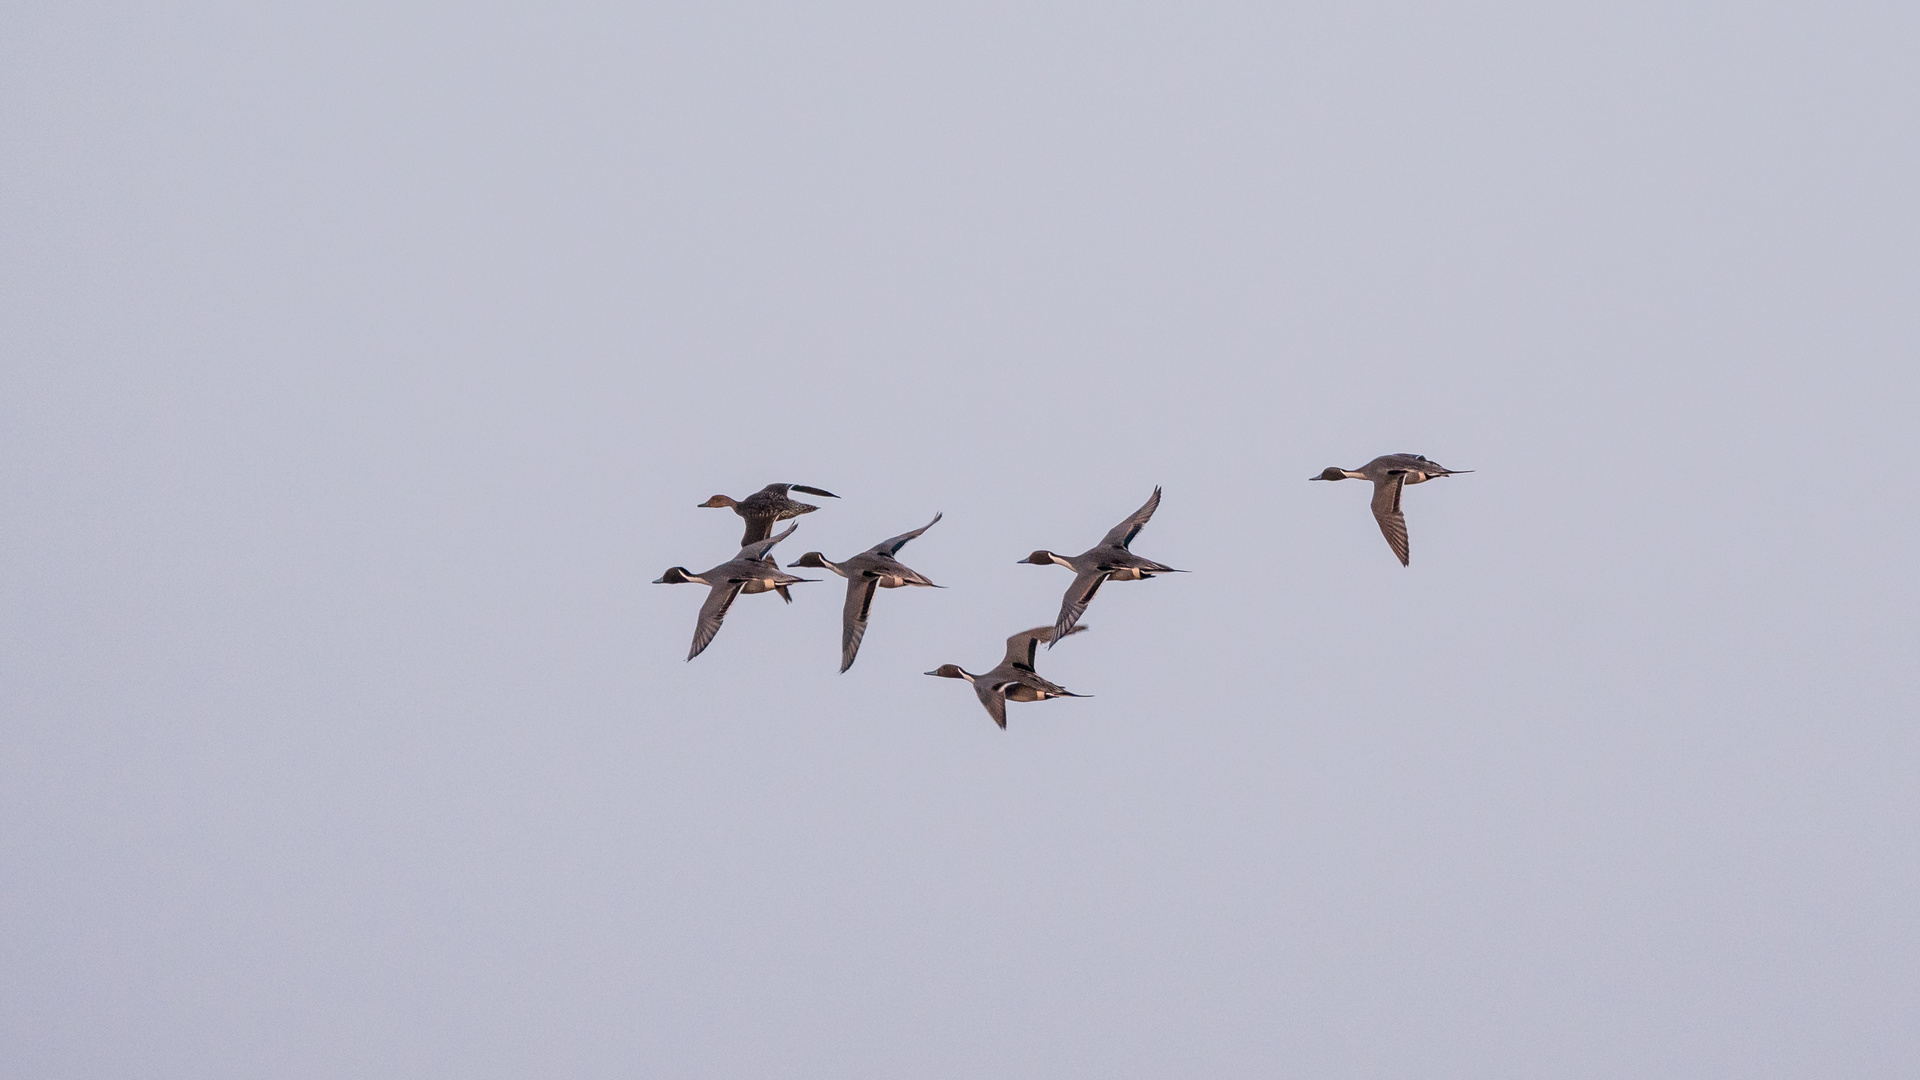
[751,571]
[1014,679]
[873,569]
[1390,474]
[765,507]
[1109,560]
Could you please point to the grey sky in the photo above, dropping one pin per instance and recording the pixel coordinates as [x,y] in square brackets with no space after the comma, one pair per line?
[363,365]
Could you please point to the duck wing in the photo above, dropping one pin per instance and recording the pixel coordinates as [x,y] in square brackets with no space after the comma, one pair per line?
[1122,534]
[759,527]
[995,700]
[1022,647]
[853,618]
[757,549]
[760,510]
[770,505]
[719,599]
[1074,604]
[893,545]
[1386,510]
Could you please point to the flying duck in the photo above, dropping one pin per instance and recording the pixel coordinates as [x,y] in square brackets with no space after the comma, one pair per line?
[871,570]
[1390,475]
[1014,679]
[1109,560]
[751,571]
[766,506]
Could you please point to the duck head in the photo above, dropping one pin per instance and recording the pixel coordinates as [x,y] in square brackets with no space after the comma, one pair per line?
[812,559]
[1329,473]
[718,500]
[949,671]
[1042,557]
[677,575]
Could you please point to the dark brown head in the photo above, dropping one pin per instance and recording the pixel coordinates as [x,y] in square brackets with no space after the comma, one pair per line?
[1331,473]
[812,559]
[948,671]
[676,575]
[717,500]
[1039,558]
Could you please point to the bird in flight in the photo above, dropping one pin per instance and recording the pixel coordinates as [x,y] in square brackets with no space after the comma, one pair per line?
[766,506]
[1014,679]
[1109,560]
[751,571]
[866,573]
[1390,475]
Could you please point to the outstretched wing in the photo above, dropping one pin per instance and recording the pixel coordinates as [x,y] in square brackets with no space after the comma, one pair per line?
[1386,510]
[853,619]
[892,546]
[995,700]
[719,599]
[1074,603]
[1022,646]
[758,549]
[759,527]
[1123,533]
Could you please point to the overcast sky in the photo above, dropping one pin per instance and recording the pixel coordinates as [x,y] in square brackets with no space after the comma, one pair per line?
[364,363]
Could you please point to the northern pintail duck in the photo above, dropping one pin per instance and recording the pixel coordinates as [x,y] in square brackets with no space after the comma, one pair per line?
[1390,475]
[751,571]
[871,570]
[1014,679]
[766,506]
[1109,560]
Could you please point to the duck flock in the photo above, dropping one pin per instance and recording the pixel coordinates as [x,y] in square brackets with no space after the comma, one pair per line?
[754,570]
